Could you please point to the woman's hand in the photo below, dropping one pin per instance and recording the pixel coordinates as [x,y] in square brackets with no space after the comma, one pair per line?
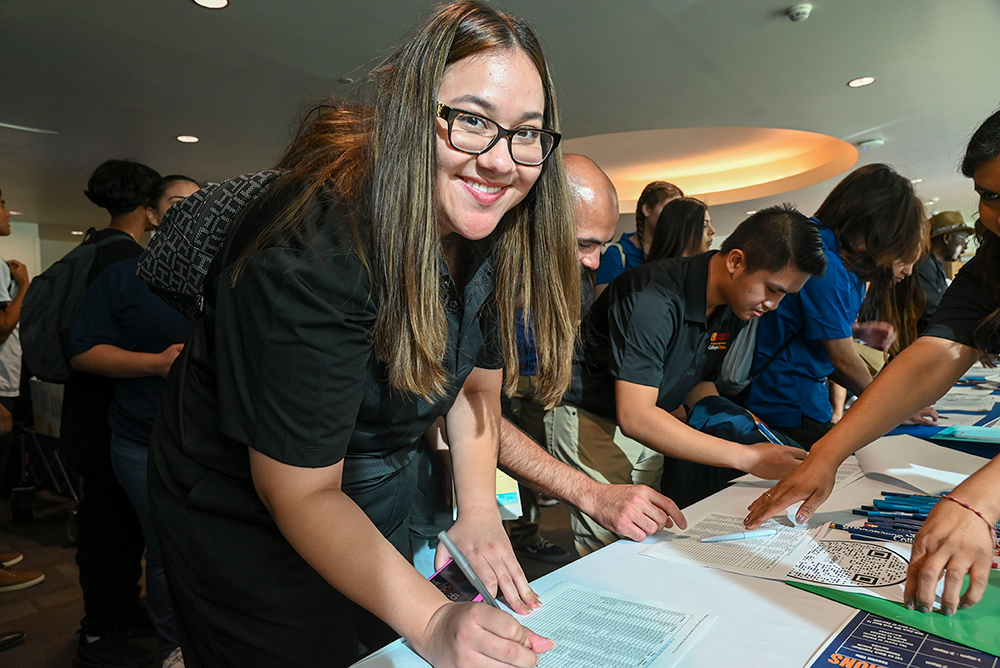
[813,481]
[925,416]
[474,634]
[953,542]
[481,538]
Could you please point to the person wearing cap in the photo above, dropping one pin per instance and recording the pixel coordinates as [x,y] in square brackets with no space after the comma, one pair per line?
[949,235]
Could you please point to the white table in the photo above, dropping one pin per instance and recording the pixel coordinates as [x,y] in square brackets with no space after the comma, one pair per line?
[761,622]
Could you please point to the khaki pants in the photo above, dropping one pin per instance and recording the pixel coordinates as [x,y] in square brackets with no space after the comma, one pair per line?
[595,446]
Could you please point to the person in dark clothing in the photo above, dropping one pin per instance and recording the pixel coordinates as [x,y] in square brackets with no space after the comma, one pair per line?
[110,544]
[949,236]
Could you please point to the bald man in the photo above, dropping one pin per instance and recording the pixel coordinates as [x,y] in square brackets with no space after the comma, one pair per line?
[631,511]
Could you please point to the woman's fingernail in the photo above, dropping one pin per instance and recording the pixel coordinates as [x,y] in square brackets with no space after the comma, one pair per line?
[923,608]
[801,519]
[963,606]
[910,605]
[947,612]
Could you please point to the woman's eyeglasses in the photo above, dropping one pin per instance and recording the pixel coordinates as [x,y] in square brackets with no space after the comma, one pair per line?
[474,134]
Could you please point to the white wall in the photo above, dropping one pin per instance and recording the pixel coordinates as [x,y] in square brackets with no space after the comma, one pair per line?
[23,245]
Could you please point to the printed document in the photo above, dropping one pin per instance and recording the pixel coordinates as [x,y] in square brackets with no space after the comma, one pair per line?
[595,629]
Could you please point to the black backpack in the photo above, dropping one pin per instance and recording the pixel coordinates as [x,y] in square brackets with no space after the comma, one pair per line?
[50,305]
[190,237]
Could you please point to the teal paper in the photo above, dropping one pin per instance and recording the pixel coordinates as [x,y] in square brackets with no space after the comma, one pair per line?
[963,432]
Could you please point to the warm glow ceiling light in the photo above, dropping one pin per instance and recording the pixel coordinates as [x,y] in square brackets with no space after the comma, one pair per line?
[718,165]
[187,139]
[77,233]
[861,81]
[212,4]
[916,180]
[14,213]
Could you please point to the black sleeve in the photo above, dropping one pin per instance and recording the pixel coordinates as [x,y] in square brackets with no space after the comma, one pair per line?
[491,353]
[641,328]
[293,351]
[962,308]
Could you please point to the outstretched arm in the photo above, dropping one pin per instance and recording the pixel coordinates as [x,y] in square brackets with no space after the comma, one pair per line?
[633,511]
[918,376]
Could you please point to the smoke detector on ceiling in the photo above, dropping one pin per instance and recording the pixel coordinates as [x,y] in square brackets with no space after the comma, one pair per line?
[798,13]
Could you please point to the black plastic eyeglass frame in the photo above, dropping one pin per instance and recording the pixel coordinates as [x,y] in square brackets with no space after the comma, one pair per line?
[449,114]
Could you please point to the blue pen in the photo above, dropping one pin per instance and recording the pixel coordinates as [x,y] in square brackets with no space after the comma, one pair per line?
[886,513]
[867,539]
[897,537]
[765,432]
[759,533]
[913,496]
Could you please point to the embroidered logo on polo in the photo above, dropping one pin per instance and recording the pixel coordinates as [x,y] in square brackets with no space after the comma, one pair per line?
[718,341]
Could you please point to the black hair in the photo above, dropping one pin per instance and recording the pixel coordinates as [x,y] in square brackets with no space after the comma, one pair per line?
[680,226]
[983,147]
[778,237]
[120,186]
[160,186]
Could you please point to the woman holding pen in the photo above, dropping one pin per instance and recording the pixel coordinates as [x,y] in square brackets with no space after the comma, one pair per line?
[370,292]
[958,537]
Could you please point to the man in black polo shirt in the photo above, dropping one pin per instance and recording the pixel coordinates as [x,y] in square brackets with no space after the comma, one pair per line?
[654,342]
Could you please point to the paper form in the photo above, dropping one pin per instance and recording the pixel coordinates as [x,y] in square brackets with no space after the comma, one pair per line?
[952,419]
[596,629]
[965,402]
[769,557]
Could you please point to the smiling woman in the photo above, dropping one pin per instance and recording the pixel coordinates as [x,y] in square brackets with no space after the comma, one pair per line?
[372,292]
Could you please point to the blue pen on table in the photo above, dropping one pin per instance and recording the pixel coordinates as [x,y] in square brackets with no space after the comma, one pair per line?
[759,533]
[466,568]
[935,497]
[898,537]
[765,432]
[888,513]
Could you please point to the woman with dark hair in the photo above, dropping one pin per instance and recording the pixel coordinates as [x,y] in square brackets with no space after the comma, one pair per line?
[124,332]
[372,291]
[632,248]
[959,538]
[683,229]
[165,193]
[873,231]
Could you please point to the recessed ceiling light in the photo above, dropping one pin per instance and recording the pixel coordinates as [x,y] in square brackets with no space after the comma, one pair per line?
[916,180]
[14,213]
[861,81]
[77,233]
[750,213]
[212,4]
[929,202]
[187,139]
[27,129]
[870,143]
[345,80]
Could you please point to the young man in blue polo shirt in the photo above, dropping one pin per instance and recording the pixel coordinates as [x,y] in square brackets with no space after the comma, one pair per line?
[654,343]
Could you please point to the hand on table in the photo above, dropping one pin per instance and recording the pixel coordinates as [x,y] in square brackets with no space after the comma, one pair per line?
[633,511]
[772,461]
[925,416]
[474,634]
[953,542]
[481,538]
[812,481]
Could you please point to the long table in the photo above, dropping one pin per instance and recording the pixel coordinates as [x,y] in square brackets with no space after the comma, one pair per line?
[760,622]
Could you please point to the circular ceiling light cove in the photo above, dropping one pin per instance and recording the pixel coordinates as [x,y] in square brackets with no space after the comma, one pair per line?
[212,4]
[187,139]
[717,165]
[861,81]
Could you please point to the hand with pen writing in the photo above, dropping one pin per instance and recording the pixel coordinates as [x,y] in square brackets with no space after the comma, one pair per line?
[474,634]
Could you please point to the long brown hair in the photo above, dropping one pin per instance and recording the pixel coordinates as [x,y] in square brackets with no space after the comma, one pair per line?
[355,153]
[654,193]
[878,219]
[983,147]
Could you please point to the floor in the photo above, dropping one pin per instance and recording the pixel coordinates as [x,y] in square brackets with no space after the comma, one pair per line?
[50,612]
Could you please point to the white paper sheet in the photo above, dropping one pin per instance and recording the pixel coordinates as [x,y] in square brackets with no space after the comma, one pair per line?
[965,402]
[917,463]
[769,557]
[952,419]
[595,629]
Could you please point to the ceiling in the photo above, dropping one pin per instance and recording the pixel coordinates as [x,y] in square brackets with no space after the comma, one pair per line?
[123,78]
